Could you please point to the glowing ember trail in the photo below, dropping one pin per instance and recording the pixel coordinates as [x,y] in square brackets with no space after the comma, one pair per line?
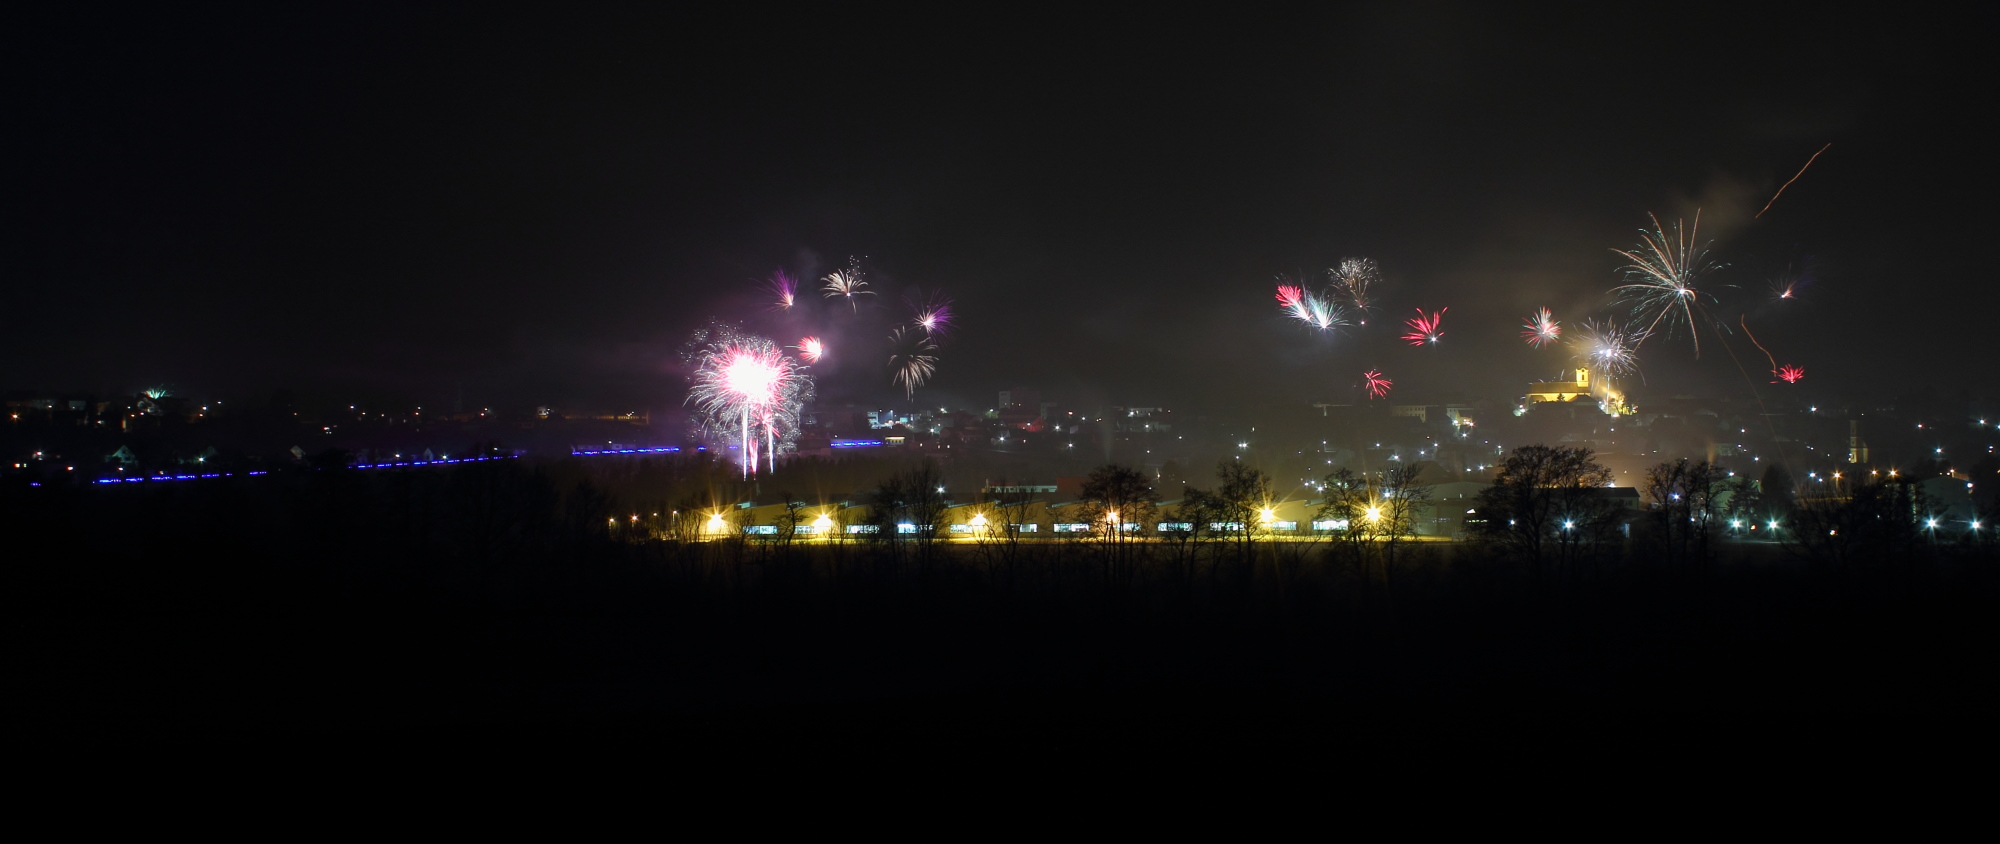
[1788,182]
[1542,329]
[1424,329]
[1378,386]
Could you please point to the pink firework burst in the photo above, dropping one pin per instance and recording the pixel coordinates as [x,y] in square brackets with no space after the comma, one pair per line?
[811,349]
[785,288]
[1312,309]
[1790,374]
[1291,298]
[1541,329]
[1378,386]
[1424,329]
[931,313]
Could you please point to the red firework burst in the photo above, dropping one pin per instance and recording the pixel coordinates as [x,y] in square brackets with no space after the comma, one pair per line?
[1424,329]
[1378,386]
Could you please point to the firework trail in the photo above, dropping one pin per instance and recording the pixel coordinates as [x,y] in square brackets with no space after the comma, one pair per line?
[1744,321]
[1788,182]
[739,377]
[784,287]
[1787,373]
[1378,386]
[811,349]
[1608,350]
[912,359]
[1661,277]
[1542,329]
[846,284]
[1351,281]
[931,313]
[1312,309]
[1424,329]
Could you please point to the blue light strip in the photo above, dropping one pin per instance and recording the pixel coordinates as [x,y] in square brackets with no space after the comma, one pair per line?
[669,449]
[406,463]
[855,443]
[423,462]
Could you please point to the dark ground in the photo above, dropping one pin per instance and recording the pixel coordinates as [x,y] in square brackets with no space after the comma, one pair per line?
[314,628]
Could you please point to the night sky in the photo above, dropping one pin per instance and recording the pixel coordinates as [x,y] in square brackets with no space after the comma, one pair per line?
[534,207]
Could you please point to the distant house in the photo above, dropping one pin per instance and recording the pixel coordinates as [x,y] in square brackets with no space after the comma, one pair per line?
[123,455]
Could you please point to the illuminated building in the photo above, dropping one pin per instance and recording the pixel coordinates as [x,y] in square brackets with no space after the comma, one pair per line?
[1600,390]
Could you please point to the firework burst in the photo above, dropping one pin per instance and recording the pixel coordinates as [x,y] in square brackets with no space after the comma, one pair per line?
[912,359]
[1424,329]
[1312,309]
[1660,279]
[1377,386]
[784,287]
[846,284]
[741,377]
[1789,374]
[931,313]
[1790,285]
[1351,282]
[811,349]
[1541,329]
[1608,350]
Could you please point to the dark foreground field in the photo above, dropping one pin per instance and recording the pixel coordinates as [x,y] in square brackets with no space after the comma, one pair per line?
[333,614]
